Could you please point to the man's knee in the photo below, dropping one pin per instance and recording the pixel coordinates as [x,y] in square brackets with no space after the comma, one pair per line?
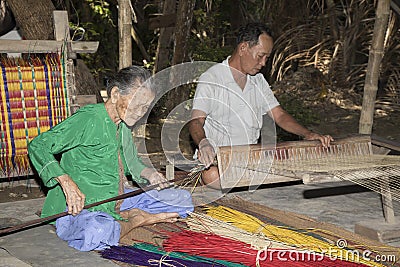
[211,177]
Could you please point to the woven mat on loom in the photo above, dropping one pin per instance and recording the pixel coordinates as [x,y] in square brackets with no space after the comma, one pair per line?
[34,98]
[156,234]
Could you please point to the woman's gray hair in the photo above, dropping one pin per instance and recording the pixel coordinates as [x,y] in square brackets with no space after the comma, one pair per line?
[130,78]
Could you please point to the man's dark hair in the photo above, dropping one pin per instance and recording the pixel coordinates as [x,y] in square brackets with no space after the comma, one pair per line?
[250,33]
[129,78]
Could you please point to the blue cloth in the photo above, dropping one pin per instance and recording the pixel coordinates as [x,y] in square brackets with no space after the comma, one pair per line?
[167,200]
[89,230]
[98,230]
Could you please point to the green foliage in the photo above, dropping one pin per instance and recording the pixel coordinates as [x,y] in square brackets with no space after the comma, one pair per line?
[304,116]
[210,29]
[204,52]
[295,107]
[96,20]
[102,9]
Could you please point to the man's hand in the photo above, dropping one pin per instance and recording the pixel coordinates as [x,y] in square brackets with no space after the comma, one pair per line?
[155,177]
[325,139]
[74,197]
[206,153]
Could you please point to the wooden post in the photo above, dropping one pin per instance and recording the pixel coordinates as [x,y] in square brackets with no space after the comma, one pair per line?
[170,171]
[61,27]
[124,29]
[61,33]
[371,87]
[373,69]
[165,38]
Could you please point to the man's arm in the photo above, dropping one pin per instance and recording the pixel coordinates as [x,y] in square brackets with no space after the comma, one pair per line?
[288,123]
[196,126]
[206,153]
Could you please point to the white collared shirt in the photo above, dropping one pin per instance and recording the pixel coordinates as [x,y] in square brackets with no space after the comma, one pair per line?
[234,116]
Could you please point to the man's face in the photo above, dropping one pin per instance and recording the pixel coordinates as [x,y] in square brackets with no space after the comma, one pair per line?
[254,58]
[131,108]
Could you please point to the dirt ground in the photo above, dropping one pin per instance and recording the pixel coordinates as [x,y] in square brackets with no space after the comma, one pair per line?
[322,106]
[19,190]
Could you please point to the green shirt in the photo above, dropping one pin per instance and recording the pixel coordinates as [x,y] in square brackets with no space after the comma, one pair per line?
[88,145]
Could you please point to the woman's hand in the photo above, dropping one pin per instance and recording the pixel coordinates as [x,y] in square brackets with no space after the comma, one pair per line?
[155,177]
[74,197]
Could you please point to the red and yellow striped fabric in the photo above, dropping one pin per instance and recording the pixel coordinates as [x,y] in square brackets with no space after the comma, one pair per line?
[34,98]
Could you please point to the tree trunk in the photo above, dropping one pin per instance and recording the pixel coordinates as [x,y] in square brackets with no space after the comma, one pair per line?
[181,94]
[333,19]
[373,69]
[182,31]
[85,82]
[34,17]
[164,46]
[7,21]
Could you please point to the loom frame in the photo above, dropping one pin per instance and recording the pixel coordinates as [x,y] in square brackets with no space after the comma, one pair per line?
[61,45]
[307,177]
[382,230]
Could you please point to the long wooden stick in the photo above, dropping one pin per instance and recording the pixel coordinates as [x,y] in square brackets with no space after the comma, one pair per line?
[39,221]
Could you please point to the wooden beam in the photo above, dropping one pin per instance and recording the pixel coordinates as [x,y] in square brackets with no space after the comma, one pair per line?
[162,21]
[124,29]
[45,46]
[61,31]
[378,229]
[384,142]
[84,47]
[61,25]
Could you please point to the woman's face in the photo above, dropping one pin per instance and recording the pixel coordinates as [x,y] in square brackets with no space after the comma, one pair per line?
[131,108]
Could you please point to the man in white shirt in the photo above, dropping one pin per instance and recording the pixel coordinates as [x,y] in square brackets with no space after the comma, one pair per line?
[231,98]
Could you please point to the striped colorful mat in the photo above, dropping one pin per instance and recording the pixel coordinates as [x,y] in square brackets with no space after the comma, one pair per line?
[34,98]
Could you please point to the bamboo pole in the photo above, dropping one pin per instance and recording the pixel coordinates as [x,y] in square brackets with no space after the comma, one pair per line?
[371,87]
[124,30]
[40,221]
[375,57]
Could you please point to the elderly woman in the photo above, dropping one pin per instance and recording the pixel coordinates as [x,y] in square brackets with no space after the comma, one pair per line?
[96,152]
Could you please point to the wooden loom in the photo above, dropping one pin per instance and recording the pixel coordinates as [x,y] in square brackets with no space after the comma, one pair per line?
[354,159]
[36,94]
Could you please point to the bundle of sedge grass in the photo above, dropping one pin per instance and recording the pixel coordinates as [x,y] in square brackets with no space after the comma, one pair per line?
[287,236]
[143,254]
[203,223]
[217,247]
